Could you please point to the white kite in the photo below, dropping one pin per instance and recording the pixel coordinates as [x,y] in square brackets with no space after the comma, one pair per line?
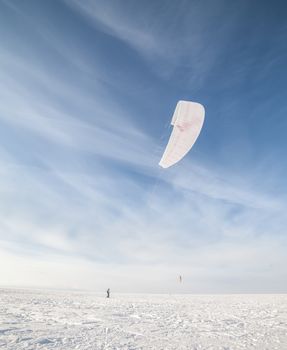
[187,122]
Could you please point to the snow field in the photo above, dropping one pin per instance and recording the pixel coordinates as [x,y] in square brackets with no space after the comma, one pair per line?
[34,319]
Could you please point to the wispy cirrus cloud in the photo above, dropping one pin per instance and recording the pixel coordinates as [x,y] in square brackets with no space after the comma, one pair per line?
[171,35]
[109,134]
[97,218]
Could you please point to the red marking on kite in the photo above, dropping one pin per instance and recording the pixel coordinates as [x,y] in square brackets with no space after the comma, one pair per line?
[184,126]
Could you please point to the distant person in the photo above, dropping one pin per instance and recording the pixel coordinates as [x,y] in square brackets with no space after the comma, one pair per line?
[108,293]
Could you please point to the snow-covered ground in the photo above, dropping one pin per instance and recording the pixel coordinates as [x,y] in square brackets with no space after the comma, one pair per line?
[32,319]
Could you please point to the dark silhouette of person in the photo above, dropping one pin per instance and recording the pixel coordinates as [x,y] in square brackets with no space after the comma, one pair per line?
[108,293]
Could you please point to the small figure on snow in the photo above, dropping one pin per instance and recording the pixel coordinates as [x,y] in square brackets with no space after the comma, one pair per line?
[108,293]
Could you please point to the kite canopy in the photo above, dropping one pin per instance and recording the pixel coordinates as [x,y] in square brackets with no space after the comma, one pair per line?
[187,122]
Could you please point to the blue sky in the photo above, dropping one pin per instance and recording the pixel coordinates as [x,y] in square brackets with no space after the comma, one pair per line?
[87,92]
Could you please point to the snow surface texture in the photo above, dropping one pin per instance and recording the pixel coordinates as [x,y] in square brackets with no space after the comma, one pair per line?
[65,320]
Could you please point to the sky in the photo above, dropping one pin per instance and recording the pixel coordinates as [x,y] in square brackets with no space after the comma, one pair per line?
[87,91]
